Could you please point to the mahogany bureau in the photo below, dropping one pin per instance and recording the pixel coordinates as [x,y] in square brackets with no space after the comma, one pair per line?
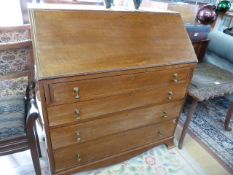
[111,83]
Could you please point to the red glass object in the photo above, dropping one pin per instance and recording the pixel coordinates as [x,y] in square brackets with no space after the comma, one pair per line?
[207,14]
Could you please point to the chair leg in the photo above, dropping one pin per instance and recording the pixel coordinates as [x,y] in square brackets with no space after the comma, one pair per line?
[228,118]
[37,142]
[34,148]
[187,122]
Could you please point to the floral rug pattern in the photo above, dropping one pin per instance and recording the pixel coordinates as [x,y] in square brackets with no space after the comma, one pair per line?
[208,126]
[157,161]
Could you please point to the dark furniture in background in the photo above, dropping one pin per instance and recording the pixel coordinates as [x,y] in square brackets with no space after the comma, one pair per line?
[208,82]
[198,35]
[213,78]
[18,112]
[200,48]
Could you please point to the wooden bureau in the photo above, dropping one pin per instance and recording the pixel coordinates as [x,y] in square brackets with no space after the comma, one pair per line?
[111,83]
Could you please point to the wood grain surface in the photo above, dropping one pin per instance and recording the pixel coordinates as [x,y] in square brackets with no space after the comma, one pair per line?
[63,114]
[129,68]
[61,93]
[114,123]
[74,42]
[113,144]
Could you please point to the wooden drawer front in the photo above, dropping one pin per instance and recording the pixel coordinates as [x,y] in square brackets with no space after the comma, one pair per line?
[82,90]
[111,145]
[63,114]
[115,123]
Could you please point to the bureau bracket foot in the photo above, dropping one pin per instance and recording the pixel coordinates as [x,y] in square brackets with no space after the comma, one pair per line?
[170,143]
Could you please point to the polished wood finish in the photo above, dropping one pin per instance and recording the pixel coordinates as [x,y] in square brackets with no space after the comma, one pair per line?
[64,92]
[113,123]
[89,34]
[109,93]
[200,49]
[111,145]
[110,160]
[92,109]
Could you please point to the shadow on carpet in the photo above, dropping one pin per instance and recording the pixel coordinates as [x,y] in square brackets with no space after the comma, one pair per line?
[207,127]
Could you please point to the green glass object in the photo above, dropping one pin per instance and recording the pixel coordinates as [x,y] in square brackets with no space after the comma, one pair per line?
[223,6]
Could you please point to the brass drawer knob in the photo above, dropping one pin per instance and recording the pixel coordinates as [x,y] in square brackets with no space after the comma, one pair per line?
[78,157]
[170,94]
[175,76]
[77,114]
[78,136]
[165,115]
[76,91]
[175,80]
[160,133]
[169,97]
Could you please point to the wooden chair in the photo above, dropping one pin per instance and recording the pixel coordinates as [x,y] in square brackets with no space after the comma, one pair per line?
[18,111]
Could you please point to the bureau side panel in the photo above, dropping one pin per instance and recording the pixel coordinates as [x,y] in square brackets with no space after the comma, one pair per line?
[43,91]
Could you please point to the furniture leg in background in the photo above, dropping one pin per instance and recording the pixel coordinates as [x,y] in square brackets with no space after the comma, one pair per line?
[228,118]
[187,122]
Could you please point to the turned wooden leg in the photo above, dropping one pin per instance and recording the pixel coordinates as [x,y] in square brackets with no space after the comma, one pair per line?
[186,124]
[33,142]
[37,142]
[228,118]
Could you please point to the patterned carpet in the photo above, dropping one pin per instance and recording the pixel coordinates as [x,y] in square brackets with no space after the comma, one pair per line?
[157,161]
[207,127]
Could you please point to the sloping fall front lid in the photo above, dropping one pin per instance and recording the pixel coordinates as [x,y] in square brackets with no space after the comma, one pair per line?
[71,42]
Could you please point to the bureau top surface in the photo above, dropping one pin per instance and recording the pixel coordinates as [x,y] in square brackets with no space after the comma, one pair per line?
[79,42]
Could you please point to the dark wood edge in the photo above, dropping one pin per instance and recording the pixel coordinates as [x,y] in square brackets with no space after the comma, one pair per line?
[12,151]
[16,45]
[200,41]
[116,158]
[14,146]
[32,115]
[32,112]
[13,140]
[227,123]
[186,93]
[42,92]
